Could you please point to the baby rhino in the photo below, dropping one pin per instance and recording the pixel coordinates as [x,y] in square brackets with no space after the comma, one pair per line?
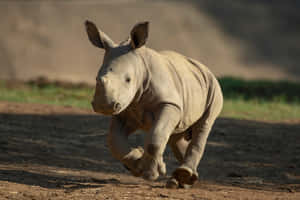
[174,98]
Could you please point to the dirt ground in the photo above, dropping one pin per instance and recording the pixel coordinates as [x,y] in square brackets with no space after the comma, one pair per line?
[50,152]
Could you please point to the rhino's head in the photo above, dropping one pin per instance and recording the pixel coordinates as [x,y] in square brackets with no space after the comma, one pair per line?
[119,76]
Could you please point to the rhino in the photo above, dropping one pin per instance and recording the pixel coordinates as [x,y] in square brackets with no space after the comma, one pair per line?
[173,98]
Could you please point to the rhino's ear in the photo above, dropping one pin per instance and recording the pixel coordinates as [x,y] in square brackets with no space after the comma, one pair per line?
[97,37]
[139,34]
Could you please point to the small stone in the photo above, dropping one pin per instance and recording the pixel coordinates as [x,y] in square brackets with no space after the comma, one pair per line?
[163,195]
[234,175]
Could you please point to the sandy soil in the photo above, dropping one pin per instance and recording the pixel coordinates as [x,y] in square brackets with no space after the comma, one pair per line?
[49,152]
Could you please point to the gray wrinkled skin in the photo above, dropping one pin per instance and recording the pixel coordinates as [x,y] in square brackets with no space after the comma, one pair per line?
[175,99]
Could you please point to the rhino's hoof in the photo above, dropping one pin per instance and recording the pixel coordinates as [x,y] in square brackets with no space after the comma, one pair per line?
[172,183]
[185,176]
[151,176]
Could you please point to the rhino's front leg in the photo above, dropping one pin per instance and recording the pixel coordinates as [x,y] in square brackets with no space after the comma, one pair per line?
[166,119]
[118,144]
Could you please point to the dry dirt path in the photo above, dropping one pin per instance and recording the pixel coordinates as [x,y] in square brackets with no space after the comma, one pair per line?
[49,152]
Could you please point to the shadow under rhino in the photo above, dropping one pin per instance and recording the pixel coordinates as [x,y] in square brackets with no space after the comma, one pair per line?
[239,152]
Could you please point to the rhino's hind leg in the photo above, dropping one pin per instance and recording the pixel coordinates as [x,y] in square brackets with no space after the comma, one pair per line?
[186,173]
[179,144]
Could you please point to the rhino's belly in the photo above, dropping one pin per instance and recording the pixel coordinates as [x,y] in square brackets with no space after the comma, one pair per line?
[192,81]
[194,102]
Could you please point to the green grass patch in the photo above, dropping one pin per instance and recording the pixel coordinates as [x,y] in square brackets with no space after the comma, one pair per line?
[252,100]
[260,99]
[261,110]
[47,94]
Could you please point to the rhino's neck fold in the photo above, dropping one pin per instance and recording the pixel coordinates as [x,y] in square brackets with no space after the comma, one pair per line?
[144,73]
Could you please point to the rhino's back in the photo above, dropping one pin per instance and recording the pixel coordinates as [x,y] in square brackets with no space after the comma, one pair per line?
[194,82]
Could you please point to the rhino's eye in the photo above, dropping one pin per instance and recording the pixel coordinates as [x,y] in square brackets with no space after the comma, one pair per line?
[127,80]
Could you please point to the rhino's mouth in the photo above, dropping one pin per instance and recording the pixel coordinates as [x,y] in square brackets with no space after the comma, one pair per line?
[115,109]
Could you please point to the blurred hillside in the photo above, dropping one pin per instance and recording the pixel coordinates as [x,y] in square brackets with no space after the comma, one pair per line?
[246,38]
